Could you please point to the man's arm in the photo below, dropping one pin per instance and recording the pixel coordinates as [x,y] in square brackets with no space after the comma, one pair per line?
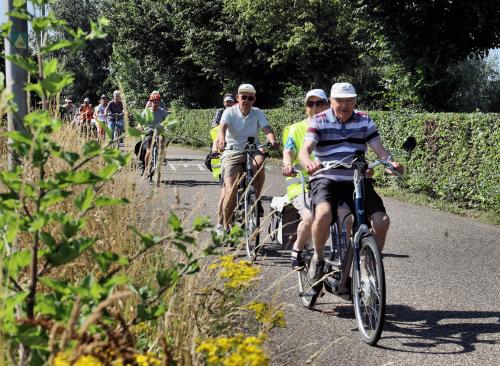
[382,153]
[287,169]
[220,143]
[271,137]
[305,157]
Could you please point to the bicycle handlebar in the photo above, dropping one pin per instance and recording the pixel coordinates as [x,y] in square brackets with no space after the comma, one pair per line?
[340,163]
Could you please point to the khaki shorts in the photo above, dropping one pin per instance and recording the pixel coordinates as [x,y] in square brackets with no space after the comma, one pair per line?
[298,203]
[233,164]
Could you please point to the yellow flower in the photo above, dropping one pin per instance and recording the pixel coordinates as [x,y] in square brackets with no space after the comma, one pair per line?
[64,359]
[239,274]
[268,315]
[235,351]
[147,360]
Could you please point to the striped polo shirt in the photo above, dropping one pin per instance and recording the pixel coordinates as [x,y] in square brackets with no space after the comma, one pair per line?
[335,140]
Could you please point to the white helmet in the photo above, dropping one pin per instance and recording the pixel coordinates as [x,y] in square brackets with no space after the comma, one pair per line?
[116,93]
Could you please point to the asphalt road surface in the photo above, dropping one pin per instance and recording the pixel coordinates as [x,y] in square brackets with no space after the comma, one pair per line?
[442,276]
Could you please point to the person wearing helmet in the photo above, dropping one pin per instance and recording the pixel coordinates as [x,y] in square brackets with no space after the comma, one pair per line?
[114,112]
[86,112]
[162,103]
[159,115]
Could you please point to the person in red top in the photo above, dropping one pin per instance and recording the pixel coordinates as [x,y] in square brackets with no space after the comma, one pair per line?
[86,112]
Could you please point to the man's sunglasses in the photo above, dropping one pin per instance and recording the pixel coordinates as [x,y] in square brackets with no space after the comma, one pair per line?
[246,97]
[318,103]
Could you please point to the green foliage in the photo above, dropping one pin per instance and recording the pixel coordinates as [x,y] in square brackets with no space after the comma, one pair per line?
[427,37]
[90,65]
[45,205]
[455,158]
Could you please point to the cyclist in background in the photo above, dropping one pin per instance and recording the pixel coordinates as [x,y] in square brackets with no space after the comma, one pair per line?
[115,112]
[159,115]
[100,116]
[228,101]
[86,112]
[237,124]
[162,103]
[335,135]
[69,110]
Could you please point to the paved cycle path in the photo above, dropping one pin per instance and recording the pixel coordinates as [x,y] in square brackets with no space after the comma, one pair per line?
[442,275]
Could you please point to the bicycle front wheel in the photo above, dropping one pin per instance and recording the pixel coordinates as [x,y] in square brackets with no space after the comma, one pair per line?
[153,164]
[307,297]
[252,226]
[369,291]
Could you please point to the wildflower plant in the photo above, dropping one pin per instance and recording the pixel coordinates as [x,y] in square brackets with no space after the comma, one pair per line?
[45,205]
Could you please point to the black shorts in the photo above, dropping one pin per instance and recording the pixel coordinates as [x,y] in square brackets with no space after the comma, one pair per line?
[327,190]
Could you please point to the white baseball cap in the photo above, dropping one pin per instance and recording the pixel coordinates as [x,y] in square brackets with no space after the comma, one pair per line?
[342,90]
[246,88]
[228,98]
[86,100]
[320,93]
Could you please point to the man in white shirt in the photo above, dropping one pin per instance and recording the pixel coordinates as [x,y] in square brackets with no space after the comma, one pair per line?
[238,123]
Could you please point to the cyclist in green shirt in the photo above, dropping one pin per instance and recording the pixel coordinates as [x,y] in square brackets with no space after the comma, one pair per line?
[315,102]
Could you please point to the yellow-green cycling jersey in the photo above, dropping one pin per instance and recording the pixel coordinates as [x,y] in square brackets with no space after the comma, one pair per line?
[216,169]
[293,139]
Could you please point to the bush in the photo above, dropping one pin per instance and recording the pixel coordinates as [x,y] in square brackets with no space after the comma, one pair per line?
[455,157]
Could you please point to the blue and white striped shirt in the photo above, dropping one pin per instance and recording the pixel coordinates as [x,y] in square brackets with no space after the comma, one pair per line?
[338,141]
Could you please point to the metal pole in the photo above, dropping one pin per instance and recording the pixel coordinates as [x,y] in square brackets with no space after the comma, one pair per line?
[16,43]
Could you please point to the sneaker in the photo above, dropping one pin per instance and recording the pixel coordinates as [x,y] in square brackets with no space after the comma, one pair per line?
[219,229]
[316,270]
[298,260]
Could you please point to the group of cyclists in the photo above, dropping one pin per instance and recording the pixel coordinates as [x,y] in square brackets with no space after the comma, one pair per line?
[90,119]
[332,130]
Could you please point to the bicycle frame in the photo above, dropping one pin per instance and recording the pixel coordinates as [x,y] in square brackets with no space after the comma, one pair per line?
[348,249]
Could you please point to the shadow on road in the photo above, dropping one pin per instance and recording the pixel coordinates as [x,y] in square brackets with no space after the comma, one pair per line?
[393,255]
[189,183]
[440,331]
[182,159]
[426,331]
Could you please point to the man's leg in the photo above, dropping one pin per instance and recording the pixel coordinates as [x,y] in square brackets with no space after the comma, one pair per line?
[380,225]
[375,210]
[321,229]
[229,201]
[304,233]
[260,175]
[220,207]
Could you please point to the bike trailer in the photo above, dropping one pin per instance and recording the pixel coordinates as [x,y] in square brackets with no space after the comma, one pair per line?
[284,222]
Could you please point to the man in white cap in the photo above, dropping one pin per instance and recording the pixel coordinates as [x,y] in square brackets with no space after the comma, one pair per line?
[335,135]
[238,123]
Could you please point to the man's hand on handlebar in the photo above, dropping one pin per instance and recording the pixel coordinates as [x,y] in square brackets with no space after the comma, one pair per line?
[274,145]
[397,167]
[313,166]
[220,144]
[288,170]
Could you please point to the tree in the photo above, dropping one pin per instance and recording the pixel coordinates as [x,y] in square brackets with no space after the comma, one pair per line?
[428,36]
[90,65]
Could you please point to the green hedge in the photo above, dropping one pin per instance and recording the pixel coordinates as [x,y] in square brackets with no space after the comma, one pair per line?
[456,156]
